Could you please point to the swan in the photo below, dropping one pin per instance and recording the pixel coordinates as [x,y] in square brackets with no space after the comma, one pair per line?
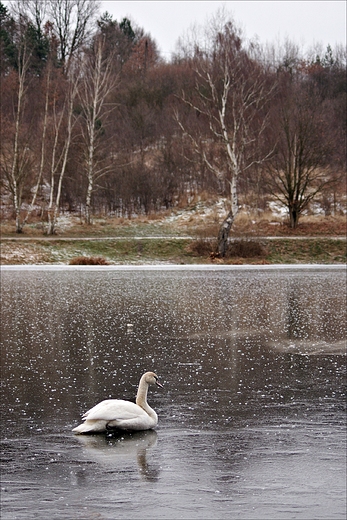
[122,415]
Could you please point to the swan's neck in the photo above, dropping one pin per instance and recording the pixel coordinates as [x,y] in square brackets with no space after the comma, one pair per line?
[141,398]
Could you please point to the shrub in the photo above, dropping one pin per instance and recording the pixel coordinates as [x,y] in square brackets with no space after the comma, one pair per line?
[237,248]
[88,260]
[247,249]
[202,247]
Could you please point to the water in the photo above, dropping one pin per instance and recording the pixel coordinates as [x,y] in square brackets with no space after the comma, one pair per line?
[251,418]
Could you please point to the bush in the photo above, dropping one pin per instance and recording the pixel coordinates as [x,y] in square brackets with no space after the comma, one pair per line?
[237,248]
[88,260]
[202,247]
[247,249]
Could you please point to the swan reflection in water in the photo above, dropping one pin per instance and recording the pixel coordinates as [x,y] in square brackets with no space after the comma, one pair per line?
[116,449]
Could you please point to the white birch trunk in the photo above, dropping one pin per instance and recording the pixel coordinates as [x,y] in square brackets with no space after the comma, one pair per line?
[90,160]
[15,187]
[89,199]
[53,208]
[97,82]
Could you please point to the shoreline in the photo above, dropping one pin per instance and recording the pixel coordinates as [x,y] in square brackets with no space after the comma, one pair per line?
[170,267]
[171,251]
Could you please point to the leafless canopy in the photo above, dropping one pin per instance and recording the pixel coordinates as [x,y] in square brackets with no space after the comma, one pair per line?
[230,98]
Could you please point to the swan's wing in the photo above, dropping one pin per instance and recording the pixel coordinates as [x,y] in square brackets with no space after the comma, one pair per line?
[114,409]
[100,406]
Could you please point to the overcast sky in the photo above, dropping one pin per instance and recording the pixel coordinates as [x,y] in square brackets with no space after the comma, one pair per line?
[304,22]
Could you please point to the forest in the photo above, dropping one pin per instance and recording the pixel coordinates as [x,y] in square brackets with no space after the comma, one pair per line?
[94,120]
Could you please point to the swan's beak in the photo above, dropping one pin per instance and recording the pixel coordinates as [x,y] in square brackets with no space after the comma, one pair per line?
[159,384]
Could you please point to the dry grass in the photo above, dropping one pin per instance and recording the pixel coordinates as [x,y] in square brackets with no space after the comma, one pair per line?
[269,225]
[201,221]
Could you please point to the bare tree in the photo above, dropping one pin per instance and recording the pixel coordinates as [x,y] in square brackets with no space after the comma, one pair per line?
[98,81]
[15,161]
[72,22]
[298,171]
[34,10]
[229,99]
[64,122]
[34,13]
[42,150]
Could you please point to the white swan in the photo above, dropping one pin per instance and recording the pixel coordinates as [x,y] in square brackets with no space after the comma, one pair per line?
[122,415]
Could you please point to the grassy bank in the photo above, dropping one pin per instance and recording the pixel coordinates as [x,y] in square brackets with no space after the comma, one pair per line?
[178,237]
[171,250]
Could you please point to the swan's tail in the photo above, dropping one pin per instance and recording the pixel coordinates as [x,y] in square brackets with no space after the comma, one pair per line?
[91,427]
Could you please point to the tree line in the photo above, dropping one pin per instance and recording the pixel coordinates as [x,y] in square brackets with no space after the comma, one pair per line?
[95,120]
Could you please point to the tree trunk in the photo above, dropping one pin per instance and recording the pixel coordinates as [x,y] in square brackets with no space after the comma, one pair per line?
[293,216]
[53,213]
[88,200]
[90,163]
[16,203]
[53,209]
[225,228]
[14,173]
[223,234]
[51,222]
[19,227]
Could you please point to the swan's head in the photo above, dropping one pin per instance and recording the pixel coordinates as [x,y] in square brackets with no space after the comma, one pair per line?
[152,379]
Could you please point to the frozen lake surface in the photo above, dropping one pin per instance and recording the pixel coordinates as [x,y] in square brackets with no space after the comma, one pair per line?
[252,418]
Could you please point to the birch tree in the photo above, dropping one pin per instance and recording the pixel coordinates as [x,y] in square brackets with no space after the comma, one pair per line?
[15,161]
[229,99]
[97,83]
[64,120]
[27,167]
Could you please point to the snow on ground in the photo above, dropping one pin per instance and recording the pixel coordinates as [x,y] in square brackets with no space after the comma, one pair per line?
[201,209]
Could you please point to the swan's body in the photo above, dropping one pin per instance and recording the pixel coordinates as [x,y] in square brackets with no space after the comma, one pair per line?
[122,415]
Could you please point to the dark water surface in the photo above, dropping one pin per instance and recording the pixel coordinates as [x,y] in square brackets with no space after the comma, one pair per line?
[252,420]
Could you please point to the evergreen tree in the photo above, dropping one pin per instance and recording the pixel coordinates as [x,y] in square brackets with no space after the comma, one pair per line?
[7,44]
[125,26]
